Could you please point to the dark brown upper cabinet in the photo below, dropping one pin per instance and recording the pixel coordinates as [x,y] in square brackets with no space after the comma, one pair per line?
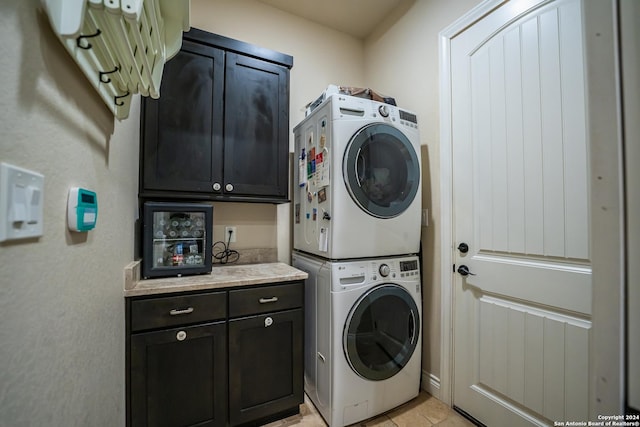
[220,129]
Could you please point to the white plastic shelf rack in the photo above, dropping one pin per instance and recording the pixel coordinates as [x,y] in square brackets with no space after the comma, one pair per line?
[121,45]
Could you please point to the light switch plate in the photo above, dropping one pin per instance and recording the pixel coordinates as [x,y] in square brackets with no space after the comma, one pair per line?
[21,203]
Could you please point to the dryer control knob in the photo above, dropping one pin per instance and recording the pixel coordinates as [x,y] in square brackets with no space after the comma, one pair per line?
[383,110]
[384,270]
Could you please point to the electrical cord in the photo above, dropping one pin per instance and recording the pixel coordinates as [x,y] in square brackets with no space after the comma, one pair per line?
[223,253]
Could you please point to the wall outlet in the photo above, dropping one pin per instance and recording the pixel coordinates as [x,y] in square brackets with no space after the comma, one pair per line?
[233,232]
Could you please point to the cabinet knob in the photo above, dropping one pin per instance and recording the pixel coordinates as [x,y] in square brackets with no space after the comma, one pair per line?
[216,186]
[181,335]
[228,187]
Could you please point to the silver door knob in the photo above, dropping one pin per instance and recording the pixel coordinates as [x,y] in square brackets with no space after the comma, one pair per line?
[228,187]
[216,186]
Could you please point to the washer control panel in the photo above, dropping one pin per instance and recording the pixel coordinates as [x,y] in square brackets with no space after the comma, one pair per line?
[395,269]
[355,274]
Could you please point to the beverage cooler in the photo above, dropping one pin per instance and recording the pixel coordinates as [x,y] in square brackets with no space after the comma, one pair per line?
[177,239]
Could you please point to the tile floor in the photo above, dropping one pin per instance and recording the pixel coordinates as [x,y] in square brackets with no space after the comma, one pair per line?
[425,410]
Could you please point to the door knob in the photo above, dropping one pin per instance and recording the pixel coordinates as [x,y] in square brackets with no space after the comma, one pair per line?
[464,270]
[463,248]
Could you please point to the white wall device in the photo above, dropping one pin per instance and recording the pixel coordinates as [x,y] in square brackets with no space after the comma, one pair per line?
[82,209]
[21,203]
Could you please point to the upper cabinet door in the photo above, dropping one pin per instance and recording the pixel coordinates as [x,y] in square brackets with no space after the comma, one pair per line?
[182,131]
[220,130]
[256,127]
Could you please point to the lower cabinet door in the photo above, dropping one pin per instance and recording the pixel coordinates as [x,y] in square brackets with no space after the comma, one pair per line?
[265,366]
[179,377]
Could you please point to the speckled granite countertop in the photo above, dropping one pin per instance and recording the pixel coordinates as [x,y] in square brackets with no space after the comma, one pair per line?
[221,277]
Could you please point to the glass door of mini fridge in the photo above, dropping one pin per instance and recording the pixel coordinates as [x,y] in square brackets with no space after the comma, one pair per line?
[177,239]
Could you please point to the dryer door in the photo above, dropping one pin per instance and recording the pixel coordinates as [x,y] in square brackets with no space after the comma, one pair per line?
[381,332]
[381,170]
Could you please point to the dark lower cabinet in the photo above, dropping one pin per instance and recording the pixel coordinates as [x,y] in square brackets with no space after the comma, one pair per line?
[179,377]
[265,367]
[227,357]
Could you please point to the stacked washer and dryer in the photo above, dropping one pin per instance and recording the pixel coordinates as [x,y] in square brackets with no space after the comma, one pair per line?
[357,213]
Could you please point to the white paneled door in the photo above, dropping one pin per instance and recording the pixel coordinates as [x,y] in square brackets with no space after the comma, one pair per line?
[521,207]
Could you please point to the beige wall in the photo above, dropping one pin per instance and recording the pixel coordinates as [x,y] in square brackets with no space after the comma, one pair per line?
[61,303]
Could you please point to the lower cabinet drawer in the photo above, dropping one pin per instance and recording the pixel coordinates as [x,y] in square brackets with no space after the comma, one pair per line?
[177,310]
[246,302]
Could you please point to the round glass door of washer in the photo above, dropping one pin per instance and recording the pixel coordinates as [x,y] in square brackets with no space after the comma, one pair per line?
[381,332]
[381,170]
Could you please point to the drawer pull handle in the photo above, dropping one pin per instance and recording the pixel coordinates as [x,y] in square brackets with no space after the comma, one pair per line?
[175,312]
[268,300]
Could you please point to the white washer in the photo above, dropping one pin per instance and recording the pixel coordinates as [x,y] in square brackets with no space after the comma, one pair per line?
[362,335]
[357,189]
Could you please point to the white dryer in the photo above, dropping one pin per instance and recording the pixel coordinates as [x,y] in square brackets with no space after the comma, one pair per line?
[357,189]
[362,335]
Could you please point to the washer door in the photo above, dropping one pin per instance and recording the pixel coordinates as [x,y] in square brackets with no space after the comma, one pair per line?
[381,332]
[381,170]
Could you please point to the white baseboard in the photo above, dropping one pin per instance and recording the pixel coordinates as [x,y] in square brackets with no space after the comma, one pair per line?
[431,384]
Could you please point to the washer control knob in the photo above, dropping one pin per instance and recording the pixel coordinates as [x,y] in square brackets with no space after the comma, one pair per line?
[384,270]
[383,110]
